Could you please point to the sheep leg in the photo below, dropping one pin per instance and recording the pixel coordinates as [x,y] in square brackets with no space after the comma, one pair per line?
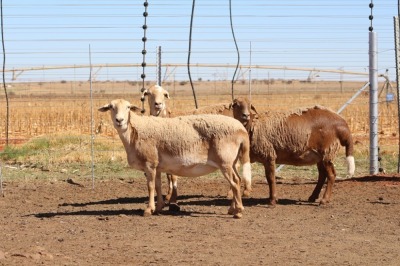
[246,168]
[173,206]
[160,201]
[150,176]
[173,194]
[269,167]
[322,174]
[170,187]
[331,174]
[236,207]
[247,180]
[230,192]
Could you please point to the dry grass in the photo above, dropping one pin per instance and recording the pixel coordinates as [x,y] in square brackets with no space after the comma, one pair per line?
[48,109]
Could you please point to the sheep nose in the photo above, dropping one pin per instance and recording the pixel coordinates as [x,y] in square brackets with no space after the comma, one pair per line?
[246,116]
[158,105]
[119,120]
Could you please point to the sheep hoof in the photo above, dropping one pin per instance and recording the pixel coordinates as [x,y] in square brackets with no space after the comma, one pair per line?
[271,203]
[238,215]
[147,212]
[324,202]
[246,193]
[173,207]
[231,211]
[168,197]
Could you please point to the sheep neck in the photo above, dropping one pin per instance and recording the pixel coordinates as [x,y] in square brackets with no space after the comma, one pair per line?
[128,136]
[250,127]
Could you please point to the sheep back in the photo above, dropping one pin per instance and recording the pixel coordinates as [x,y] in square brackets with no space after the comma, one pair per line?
[289,137]
[180,134]
[222,109]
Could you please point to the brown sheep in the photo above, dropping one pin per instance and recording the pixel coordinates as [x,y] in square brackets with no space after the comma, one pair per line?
[190,146]
[300,137]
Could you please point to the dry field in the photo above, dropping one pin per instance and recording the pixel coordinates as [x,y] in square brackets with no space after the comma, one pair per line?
[43,108]
[46,108]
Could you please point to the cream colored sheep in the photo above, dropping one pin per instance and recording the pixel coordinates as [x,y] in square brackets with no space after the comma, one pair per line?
[157,96]
[156,99]
[189,146]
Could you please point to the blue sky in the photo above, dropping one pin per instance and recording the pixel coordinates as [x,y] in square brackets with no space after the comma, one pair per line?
[314,34]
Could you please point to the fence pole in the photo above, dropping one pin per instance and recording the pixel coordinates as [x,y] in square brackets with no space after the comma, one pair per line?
[397,56]
[159,66]
[373,103]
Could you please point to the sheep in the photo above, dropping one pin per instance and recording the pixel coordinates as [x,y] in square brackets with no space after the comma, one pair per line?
[157,96]
[187,146]
[300,137]
[240,108]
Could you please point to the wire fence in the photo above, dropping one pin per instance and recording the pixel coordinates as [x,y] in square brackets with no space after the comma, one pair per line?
[60,112]
[301,43]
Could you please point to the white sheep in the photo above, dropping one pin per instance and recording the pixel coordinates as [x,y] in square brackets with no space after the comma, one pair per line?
[156,99]
[189,146]
[157,96]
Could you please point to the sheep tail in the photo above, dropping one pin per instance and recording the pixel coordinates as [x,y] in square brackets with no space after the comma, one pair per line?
[346,140]
[245,161]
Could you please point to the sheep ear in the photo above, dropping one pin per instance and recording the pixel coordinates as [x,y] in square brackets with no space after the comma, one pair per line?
[232,104]
[134,108]
[166,94]
[105,108]
[254,109]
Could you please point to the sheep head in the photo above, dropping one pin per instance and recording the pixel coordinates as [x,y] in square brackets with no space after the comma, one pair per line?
[120,111]
[241,108]
[156,98]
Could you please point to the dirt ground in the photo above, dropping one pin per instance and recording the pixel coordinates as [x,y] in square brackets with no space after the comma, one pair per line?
[60,222]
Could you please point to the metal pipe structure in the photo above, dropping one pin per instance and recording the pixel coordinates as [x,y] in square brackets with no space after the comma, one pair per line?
[16,72]
[373,104]
[159,66]
[397,56]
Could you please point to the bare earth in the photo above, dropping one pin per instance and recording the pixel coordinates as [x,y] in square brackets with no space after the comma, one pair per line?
[67,223]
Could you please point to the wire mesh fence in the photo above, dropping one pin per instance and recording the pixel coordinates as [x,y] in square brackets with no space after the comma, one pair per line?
[308,50]
[53,122]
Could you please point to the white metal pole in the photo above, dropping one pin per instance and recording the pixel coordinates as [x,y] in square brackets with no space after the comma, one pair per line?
[397,55]
[373,103]
[250,75]
[91,116]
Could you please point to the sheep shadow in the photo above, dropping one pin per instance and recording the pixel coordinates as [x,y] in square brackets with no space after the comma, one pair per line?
[108,213]
[183,200]
[222,201]
[100,213]
[374,178]
[125,200]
